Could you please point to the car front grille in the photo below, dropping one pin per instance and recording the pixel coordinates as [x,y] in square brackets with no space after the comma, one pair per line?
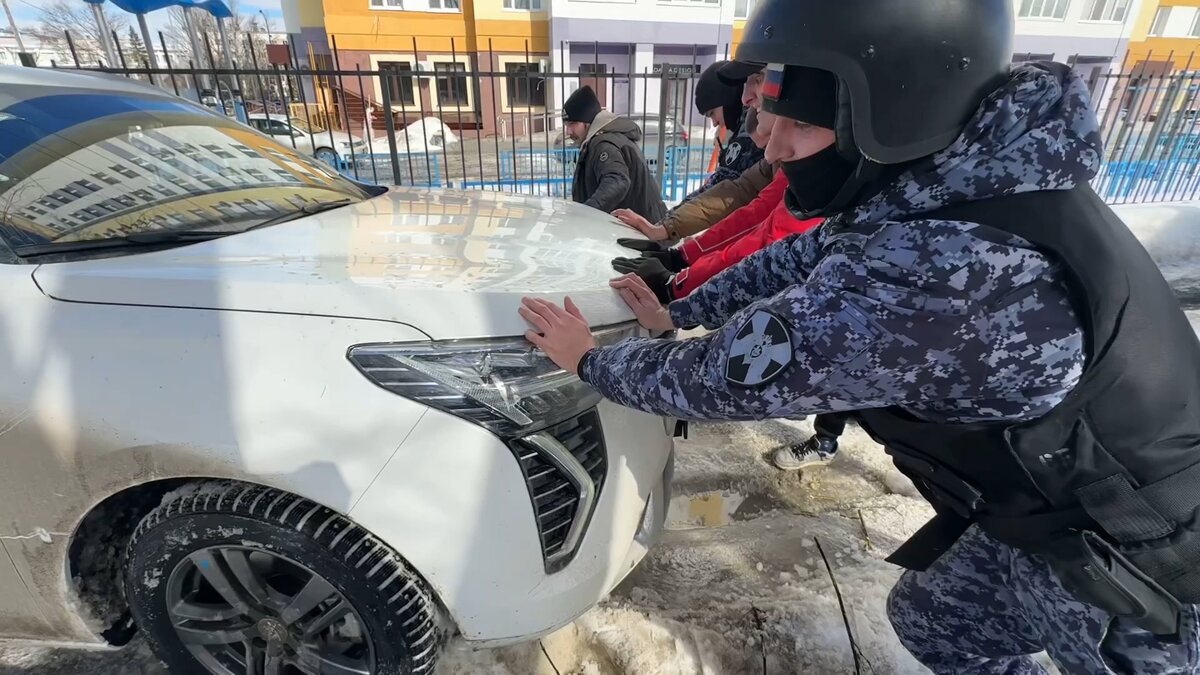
[564,468]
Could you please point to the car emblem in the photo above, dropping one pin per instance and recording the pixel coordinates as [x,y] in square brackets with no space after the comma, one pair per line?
[760,352]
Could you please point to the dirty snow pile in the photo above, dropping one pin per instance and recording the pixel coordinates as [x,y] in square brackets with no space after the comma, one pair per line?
[738,580]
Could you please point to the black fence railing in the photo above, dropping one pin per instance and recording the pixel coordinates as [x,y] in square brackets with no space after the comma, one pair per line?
[475,121]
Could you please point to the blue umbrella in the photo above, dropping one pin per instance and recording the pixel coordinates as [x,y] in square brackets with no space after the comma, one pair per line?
[217,8]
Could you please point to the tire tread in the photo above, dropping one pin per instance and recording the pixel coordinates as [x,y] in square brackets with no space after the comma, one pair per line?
[414,603]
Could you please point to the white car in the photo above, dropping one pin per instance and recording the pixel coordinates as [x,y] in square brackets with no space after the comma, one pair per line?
[280,422]
[327,145]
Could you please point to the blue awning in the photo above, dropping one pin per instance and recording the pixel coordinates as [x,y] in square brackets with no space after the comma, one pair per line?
[215,7]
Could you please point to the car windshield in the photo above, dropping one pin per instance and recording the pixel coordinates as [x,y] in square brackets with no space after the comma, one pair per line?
[301,125]
[104,165]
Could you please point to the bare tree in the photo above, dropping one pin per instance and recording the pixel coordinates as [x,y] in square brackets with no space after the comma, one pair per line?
[136,51]
[60,16]
[247,46]
[237,28]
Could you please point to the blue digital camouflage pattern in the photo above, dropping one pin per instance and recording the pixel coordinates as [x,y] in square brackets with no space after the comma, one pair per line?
[948,320]
[984,607]
[952,321]
[739,154]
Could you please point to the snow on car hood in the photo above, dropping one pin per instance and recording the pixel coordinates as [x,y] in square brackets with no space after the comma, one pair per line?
[451,264]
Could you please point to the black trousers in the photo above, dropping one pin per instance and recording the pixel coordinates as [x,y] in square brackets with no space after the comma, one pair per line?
[831,425]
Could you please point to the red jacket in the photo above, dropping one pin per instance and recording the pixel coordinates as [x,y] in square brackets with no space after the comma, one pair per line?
[737,224]
[729,241]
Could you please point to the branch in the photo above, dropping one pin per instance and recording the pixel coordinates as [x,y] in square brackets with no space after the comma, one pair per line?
[854,650]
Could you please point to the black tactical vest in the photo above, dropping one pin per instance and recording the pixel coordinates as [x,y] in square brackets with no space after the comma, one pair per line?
[1106,486]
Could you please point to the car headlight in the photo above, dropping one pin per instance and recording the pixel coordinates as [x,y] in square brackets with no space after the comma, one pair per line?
[506,385]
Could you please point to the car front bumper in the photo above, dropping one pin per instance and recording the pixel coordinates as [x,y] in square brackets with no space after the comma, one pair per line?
[454,503]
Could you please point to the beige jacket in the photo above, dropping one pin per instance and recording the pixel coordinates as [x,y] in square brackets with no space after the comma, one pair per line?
[718,201]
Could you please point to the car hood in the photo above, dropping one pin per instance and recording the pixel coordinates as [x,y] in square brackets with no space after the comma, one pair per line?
[319,137]
[451,264]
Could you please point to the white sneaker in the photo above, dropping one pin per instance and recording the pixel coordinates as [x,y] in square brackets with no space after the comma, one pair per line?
[813,452]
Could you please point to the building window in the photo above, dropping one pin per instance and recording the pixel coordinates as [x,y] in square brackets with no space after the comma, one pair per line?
[1161,17]
[1044,9]
[397,76]
[1106,10]
[417,5]
[528,5]
[742,9]
[526,86]
[451,84]
[1195,31]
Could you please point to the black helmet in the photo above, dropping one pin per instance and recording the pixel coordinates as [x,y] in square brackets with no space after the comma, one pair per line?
[910,72]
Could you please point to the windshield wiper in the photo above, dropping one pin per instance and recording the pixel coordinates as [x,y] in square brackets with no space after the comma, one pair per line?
[160,237]
[132,240]
[309,209]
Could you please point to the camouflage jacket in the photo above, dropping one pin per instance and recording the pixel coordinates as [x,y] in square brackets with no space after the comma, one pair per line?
[951,321]
[737,155]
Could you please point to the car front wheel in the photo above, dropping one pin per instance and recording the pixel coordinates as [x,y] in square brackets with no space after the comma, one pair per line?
[227,578]
[327,156]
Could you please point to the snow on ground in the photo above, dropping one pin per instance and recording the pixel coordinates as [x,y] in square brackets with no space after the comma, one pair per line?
[737,580]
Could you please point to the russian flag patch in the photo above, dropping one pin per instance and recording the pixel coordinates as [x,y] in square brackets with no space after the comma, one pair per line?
[773,83]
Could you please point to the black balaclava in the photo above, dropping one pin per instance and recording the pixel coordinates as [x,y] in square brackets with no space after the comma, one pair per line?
[712,92]
[814,181]
[809,95]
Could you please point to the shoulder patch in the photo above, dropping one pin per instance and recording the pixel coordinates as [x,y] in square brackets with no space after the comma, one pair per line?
[603,155]
[761,351]
[734,151]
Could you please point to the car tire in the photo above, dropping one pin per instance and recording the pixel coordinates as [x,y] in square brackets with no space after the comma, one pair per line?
[259,572]
[327,156]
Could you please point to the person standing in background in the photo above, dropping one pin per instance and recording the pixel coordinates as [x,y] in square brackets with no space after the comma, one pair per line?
[611,172]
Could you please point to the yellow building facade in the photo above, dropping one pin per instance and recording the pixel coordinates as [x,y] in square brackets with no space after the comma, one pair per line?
[1166,37]
[476,64]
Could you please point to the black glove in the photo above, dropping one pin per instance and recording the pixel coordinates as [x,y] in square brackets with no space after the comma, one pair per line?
[643,245]
[672,259]
[652,271]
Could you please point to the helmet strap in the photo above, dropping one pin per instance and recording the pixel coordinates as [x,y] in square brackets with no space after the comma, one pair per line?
[844,125]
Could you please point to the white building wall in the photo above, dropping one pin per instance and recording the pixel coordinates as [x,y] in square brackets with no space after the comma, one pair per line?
[1075,26]
[660,11]
[645,97]
[43,52]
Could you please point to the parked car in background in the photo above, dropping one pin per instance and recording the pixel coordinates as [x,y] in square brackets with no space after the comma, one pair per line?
[280,422]
[328,146]
[652,134]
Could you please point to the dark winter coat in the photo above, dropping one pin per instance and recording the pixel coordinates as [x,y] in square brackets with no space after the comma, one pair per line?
[737,156]
[612,173]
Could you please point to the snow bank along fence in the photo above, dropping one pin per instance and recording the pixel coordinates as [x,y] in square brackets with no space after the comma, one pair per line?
[483,120]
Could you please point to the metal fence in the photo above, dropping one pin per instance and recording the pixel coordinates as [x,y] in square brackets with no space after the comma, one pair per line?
[1151,129]
[480,127]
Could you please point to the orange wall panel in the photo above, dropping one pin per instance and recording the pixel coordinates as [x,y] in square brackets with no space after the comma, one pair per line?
[1179,50]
